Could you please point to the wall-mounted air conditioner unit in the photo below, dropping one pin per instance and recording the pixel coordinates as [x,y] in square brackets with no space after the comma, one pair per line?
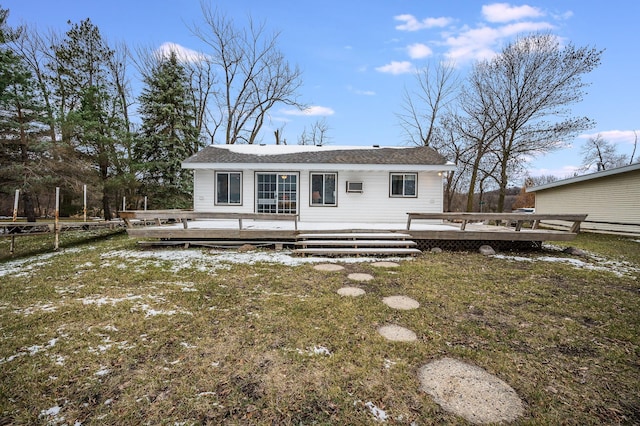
[354,186]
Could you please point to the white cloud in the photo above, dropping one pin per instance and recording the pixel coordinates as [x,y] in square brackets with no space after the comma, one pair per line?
[314,110]
[560,172]
[504,12]
[396,68]
[411,23]
[480,43]
[361,92]
[614,136]
[182,53]
[419,51]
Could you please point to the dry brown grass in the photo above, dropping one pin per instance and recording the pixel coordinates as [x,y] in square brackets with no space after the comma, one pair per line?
[123,340]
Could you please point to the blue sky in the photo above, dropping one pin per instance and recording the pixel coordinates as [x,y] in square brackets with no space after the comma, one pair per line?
[357,56]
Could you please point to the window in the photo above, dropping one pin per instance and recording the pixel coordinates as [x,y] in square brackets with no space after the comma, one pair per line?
[403,185]
[229,188]
[323,189]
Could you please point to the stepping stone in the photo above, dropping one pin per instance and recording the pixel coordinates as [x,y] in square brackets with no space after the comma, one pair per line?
[360,277]
[396,333]
[351,291]
[385,264]
[470,392]
[328,267]
[401,302]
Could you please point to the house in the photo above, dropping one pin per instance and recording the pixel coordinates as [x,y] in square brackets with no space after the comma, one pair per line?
[611,198]
[319,183]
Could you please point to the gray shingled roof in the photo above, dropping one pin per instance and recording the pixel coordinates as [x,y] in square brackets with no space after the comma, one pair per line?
[415,155]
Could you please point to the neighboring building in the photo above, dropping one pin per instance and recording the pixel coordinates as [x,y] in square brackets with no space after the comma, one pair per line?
[611,198]
[319,183]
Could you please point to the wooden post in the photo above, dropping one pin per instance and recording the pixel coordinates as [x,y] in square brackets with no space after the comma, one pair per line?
[84,210]
[124,204]
[145,203]
[12,248]
[56,227]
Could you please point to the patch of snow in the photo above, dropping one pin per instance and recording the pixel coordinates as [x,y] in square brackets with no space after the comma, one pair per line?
[58,359]
[30,350]
[388,364]
[210,260]
[99,301]
[379,414]
[316,350]
[618,268]
[22,267]
[53,411]
[36,308]
[103,371]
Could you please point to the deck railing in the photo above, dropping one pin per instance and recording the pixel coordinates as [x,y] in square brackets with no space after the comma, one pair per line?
[518,219]
[184,216]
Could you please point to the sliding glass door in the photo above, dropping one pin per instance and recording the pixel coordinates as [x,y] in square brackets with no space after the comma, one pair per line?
[277,193]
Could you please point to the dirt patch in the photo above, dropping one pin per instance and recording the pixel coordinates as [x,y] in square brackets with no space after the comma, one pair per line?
[470,392]
[351,291]
[403,303]
[396,333]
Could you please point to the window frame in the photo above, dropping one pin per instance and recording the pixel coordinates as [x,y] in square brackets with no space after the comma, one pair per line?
[335,189]
[228,173]
[404,180]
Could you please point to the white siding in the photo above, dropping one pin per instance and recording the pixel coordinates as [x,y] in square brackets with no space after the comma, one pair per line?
[204,192]
[372,205]
[614,198]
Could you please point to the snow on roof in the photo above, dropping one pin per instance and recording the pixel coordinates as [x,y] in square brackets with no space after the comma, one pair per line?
[265,149]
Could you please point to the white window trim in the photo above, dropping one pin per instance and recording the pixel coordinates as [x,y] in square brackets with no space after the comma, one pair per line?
[403,195]
[215,189]
[311,203]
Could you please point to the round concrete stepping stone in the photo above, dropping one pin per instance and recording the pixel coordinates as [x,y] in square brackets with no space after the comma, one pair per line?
[385,264]
[396,333]
[470,392]
[403,303]
[360,277]
[328,267]
[351,291]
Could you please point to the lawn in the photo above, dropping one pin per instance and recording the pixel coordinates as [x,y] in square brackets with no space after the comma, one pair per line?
[106,333]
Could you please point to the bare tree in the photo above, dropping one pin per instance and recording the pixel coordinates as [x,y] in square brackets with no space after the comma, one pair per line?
[602,154]
[437,86]
[255,75]
[530,85]
[317,135]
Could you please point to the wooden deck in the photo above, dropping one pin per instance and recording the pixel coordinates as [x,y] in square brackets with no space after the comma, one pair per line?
[462,230]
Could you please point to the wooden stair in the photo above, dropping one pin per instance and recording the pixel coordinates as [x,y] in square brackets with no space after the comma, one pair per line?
[356,244]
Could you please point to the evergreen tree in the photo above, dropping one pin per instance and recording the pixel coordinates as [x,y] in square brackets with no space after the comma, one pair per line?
[168,134]
[90,107]
[23,134]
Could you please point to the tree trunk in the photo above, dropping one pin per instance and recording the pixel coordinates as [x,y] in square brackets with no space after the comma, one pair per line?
[29,210]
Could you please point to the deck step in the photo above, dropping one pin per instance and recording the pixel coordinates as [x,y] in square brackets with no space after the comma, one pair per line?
[390,251]
[355,236]
[356,244]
